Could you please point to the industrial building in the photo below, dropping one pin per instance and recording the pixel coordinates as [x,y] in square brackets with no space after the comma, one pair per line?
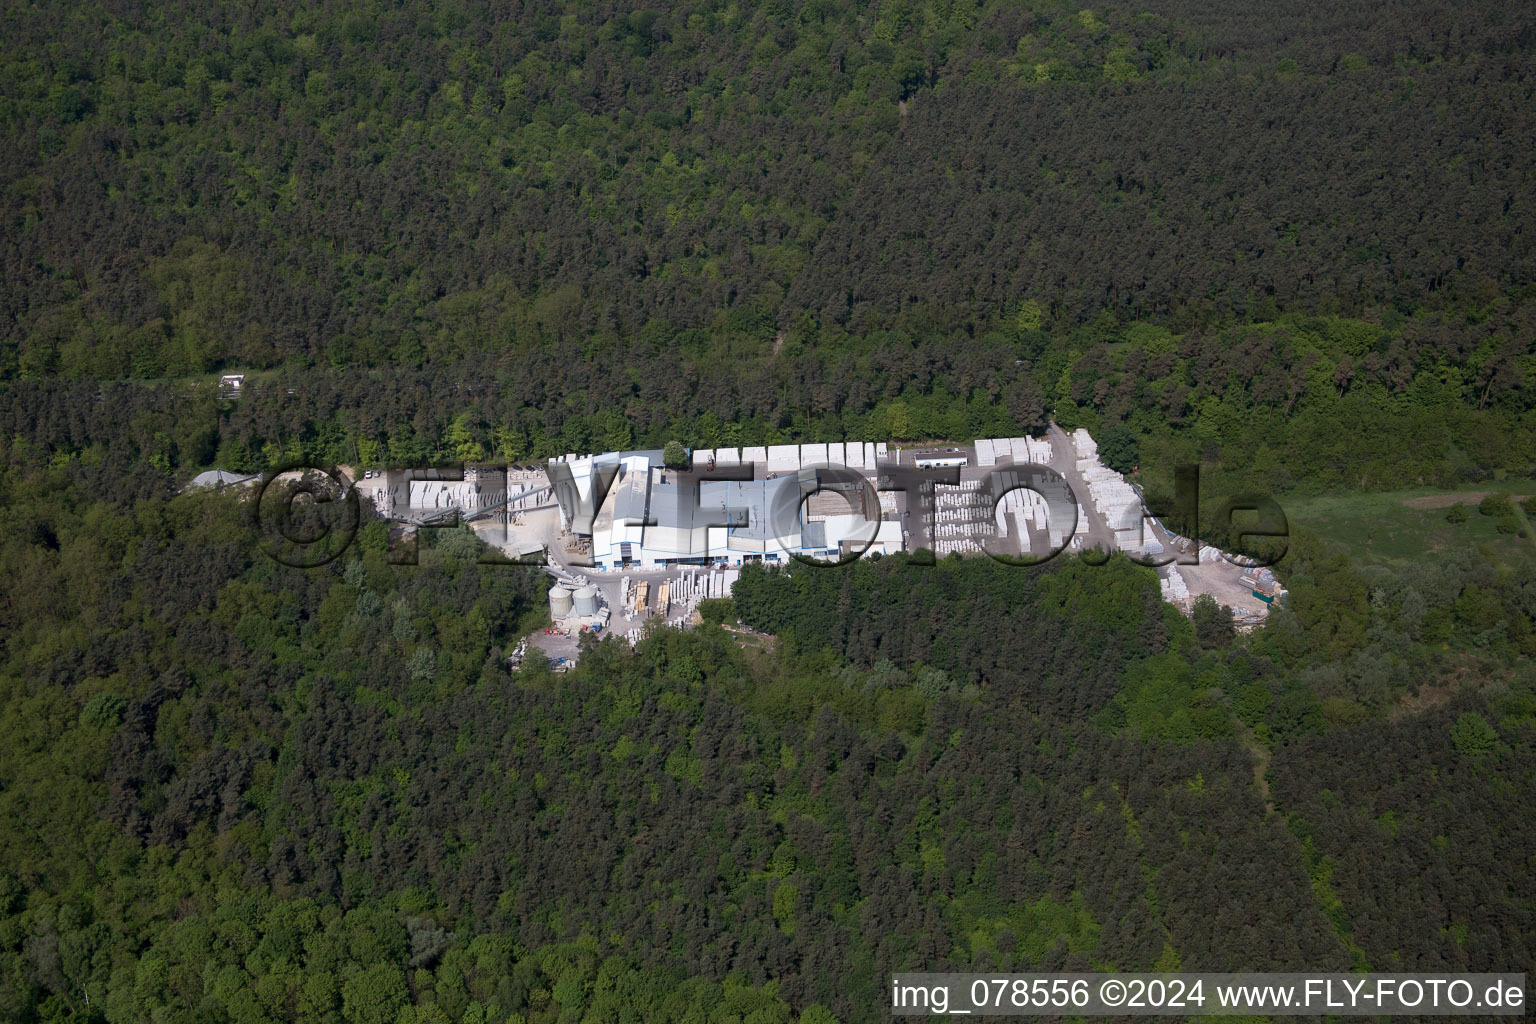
[671,538]
[641,515]
[630,513]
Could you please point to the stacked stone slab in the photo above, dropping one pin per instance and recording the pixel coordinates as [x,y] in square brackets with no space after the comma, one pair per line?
[1113,498]
[1173,587]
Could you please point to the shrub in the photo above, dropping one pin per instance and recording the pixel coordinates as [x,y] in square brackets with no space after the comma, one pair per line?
[1495,505]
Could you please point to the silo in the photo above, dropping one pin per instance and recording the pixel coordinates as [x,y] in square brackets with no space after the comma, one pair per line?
[586,601]
[559,600]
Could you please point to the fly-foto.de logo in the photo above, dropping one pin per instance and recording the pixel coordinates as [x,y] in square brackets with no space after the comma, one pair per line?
[621,511]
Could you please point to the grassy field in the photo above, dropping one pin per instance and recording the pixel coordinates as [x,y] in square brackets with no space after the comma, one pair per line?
[1397,526]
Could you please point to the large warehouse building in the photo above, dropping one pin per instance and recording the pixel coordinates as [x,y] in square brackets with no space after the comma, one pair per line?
[641,515]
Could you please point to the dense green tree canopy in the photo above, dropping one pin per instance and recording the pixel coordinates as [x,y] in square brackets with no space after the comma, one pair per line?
[1289,243]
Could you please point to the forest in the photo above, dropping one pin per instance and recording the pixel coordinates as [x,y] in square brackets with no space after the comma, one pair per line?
[1288,243]
[240,791]
[1274,244]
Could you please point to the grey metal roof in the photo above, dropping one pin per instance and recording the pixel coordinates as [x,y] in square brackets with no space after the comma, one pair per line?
[672,506]
[220,477]
[746,498]
[754,512]
[632,501]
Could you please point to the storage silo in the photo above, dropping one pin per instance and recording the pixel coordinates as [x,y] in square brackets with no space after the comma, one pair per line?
[559,600]
[586,601]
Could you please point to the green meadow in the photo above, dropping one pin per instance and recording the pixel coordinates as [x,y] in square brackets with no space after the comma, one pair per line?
[1390,527]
